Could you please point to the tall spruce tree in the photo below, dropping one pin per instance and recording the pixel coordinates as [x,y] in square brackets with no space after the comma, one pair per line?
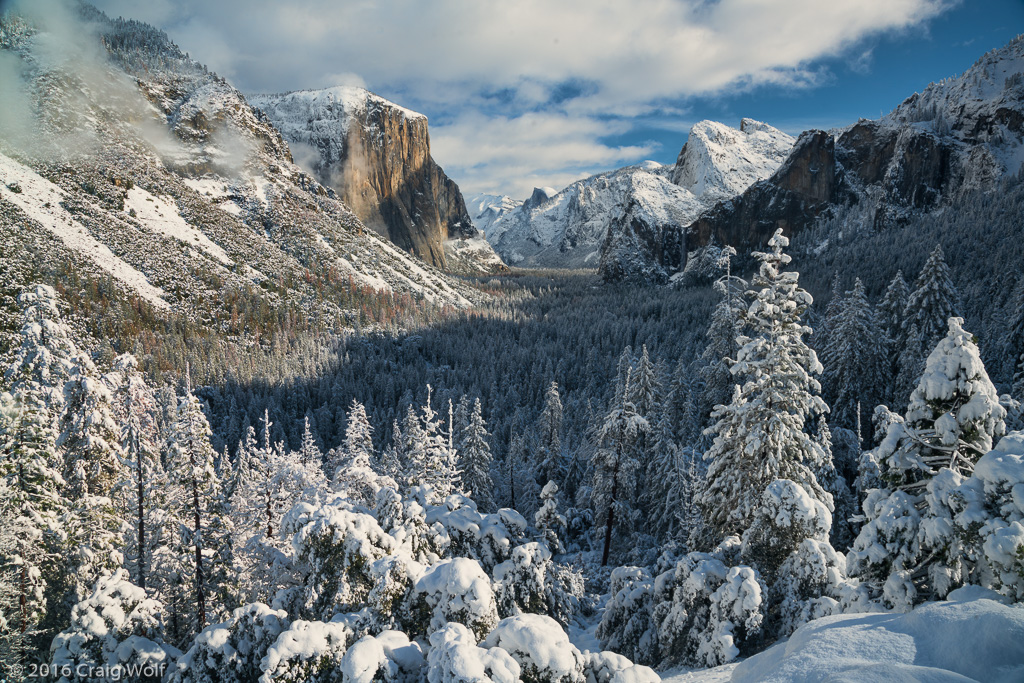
[550,466]
[906,550]
[855,361]
[616,465]
[933,301]
[761,435]
[194,496]
[475,460]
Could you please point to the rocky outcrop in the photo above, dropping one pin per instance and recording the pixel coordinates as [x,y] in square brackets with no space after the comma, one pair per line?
[376,156]
[808,183]
[960,135]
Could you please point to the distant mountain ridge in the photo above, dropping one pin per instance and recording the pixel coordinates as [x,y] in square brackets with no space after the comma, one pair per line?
[622,221]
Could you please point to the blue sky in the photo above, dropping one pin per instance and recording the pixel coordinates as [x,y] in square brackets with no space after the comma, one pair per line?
[867,81]
[530,93]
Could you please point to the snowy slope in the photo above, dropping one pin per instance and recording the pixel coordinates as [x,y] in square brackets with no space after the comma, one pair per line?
[979,640]
[571,228]
[41,201]
[183,193]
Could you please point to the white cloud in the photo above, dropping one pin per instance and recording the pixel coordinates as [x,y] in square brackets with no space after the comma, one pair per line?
[465,62]
[512,155]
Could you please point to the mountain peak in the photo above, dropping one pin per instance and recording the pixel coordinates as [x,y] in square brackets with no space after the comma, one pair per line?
[719,161]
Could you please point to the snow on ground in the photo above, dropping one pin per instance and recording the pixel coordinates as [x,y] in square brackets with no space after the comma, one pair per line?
[217,190]
[160,214]
[41,200]
[719,674]
[977,639]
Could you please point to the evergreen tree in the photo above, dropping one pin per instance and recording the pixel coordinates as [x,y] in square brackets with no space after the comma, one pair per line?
[933,301]
[663,481]
[715,377]
[616,464]
[309,452]
[549,522]
[358,446]
[645,387]
[89,436]
[410,447]
[954,416]
[855,359]
[139,439]
[892,309]
[356,476]
[475,460]
[761,436]
[43,358]
[907,550]
[549,454]
[439,458]
[194,494]
[14,643]
[36,507]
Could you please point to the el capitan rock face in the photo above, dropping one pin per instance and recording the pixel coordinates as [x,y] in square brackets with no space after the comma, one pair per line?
[376,155]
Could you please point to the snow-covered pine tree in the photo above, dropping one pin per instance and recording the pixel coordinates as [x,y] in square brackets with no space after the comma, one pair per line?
[909,364]
[892,309]
[309,452]
[933,301]
[616,464]
[13,642]
[645,387]
[194,494]
[855,360]
[139,443]
[89,435]
[390,465]
[410,447]
[43,358]
[550,466]
[356,477]
[761,435]
[715,378]
[549,522]
[824,334]
[476,461]
[663,479]
[907,550]
[439,458]
[625,365]
[954,416]
[33,510]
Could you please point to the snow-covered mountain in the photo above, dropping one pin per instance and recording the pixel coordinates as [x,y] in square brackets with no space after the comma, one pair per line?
[961,135]
[618,218]
[718,162]
[376,155]
[140,168]
[485,209]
